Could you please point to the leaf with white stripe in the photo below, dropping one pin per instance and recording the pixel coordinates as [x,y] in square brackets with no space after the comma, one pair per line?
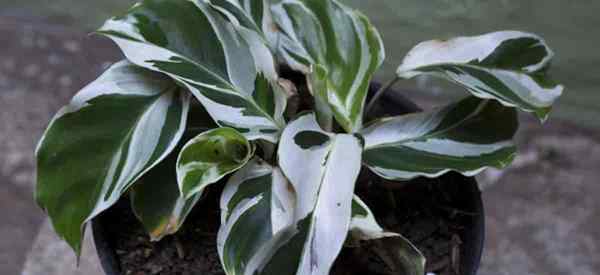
[401,255]
[322,167]
[466,137]
[252,14]
[256,204]
[508,66]
[111,133]
[209,157]
[227,67]
[157,201]
[340,40]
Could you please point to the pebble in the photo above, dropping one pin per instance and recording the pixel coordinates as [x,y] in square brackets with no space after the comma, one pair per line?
[9,64]
[31,70]
[42,43]
[72,46]
[54,59]
[65,81]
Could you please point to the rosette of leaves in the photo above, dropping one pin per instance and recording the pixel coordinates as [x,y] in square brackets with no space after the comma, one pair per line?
[288,204]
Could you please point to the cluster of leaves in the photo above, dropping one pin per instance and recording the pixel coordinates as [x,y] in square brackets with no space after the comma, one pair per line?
[289,204]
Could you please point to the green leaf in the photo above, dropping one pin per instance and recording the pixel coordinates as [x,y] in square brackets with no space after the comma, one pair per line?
[508,66]
[227,67]
[322,167]
[110,134]
[157,201]
[252,14]
[257,203]
[400,254]
[467,137]
[209,157]
[342,42]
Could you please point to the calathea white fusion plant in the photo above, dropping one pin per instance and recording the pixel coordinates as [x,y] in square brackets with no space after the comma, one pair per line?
[289,198]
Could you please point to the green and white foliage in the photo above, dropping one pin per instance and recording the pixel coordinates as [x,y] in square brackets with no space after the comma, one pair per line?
[157,202]
[508,66]
[257,203]
[339,40]
[252,14]
[209,157]
[289,207]
[111,133]
[227,67]
[466,137]
[322,168]
[403,257]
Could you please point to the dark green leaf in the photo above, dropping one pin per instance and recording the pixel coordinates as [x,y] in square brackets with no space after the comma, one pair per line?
[467,137]
[112,132]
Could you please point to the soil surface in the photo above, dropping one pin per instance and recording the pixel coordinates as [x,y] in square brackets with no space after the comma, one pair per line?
[427,212]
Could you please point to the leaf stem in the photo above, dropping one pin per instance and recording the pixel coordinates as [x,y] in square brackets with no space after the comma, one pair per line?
[379,93]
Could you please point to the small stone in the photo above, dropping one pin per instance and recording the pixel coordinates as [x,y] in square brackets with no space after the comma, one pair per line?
[41,43]
[65,81]
[9,64]
[54,59]
[31,70]
[72,46]
[46,78]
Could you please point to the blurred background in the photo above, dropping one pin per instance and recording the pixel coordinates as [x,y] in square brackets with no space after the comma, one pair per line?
[543,215]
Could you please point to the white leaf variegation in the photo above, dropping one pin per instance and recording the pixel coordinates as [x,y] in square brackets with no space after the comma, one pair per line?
[251,14]
[466,137]
[508,66]
[209,157]
[111,133]
[339,40]
[400,254]
[322,168]
[227,66]
[256,204]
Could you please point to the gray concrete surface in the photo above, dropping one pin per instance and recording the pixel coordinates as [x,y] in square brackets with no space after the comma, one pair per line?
[41,66]
[542,213]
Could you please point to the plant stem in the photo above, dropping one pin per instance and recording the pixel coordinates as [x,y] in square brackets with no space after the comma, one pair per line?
[379,93]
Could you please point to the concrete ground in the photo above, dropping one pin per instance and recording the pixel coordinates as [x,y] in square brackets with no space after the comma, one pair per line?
[542,213]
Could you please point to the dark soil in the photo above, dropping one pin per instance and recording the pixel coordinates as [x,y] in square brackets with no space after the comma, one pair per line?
[427,212]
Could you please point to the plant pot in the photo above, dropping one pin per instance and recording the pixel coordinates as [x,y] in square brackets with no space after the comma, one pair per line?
[463,194]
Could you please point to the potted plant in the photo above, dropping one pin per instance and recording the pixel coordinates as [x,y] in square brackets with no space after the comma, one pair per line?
[253,117]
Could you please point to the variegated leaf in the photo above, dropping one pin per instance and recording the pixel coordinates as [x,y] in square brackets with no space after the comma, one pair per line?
[399,253]
[508,66]
[227,67]
[209,157]
[257,203]
[467,137]
[252,14]
[322,167]
[342,42]
[110,134]
[157,201]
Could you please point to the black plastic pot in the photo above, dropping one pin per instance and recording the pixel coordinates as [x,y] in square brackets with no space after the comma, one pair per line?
[466,192]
